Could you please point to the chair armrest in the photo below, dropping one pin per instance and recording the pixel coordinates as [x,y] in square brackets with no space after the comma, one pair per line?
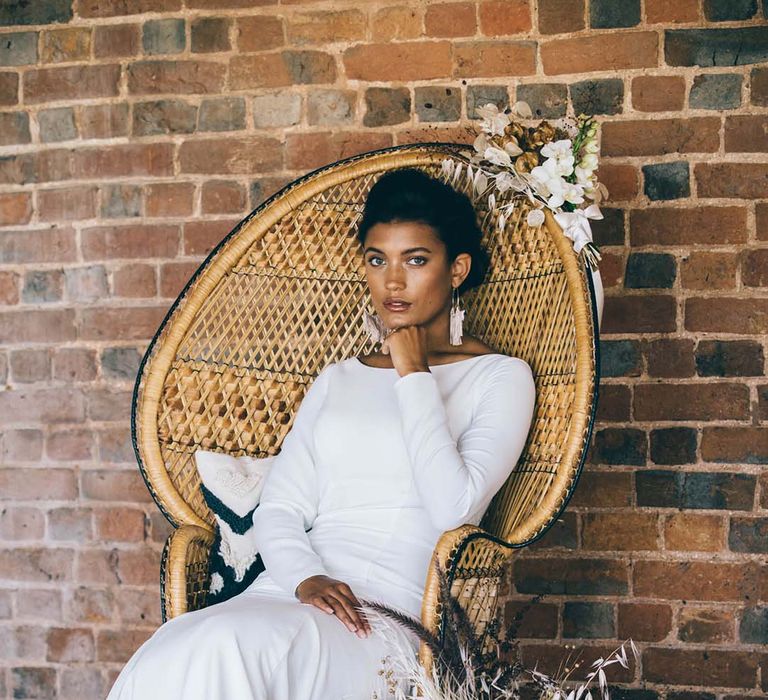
[473,560]
[184,578]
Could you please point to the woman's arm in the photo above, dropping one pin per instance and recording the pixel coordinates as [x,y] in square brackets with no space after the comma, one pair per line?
[456,480]
[288,505]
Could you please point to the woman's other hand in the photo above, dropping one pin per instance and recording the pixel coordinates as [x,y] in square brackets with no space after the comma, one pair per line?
[336,598]
[407,345]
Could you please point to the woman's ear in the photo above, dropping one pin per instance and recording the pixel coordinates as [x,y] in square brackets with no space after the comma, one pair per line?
[460,268]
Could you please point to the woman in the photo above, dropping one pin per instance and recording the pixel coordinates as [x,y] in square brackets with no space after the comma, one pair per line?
[387,451]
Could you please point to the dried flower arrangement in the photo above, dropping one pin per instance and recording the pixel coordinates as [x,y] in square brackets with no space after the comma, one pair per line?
[472,666]
[553,164]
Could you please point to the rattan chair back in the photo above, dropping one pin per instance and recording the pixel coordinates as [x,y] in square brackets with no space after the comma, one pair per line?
[282,296]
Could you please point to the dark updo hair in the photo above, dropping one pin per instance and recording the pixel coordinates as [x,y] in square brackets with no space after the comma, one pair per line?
[409,194]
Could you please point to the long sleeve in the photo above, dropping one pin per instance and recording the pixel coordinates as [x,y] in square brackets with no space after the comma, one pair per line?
[288,505]
[456,479]
[599,295]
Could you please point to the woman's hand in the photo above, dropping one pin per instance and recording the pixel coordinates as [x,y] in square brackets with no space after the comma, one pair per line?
[336,598]
[408,347]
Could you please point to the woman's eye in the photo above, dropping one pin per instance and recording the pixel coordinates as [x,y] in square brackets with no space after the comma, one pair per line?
[372,260]
[420,257]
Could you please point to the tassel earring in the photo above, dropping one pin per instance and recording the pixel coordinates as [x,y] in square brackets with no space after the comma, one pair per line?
[374,326]
[456,319]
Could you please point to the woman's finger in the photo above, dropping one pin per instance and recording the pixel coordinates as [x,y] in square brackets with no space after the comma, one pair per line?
[342,612]
[347,591]
[349,609]
[319,602]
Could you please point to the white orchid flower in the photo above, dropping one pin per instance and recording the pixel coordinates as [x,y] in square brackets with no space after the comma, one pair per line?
[573,193]
[557,149]
[589,161]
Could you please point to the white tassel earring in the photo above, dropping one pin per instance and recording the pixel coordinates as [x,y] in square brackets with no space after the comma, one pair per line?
[374,326]
[456,319]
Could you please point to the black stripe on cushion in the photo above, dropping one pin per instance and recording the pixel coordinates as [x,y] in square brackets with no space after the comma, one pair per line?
[239,525]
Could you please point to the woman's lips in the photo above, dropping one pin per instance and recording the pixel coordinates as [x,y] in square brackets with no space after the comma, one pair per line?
[397,307]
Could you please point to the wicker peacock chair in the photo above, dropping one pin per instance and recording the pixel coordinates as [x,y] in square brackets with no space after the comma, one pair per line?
[282,296]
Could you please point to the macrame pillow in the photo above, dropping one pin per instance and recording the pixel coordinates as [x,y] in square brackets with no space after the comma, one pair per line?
[231,486]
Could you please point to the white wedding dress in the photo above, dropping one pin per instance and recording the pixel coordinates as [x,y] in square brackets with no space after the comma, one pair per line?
[378,466]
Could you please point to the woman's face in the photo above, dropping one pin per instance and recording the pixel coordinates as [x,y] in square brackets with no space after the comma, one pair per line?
[406,260]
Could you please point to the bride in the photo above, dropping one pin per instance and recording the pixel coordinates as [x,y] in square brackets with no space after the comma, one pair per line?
[387,451]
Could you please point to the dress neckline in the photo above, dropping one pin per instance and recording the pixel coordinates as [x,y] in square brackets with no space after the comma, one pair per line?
[444,364]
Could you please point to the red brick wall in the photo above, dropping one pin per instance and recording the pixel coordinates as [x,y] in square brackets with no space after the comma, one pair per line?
[135,133]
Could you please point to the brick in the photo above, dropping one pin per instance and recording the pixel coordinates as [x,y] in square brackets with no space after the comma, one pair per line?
[620,446]
[644,622]
[115,485]
[660,11]
[36,565]
[222,197]
[639,314]
[711,401]
[438,104]
[607,14]
[661,136]
[75,683]
[489,59]
[701,225]
[614,404]
[386,106]
[716,47]
[109,404]
[600,52]
[621,531]
[71,83]
[120,644]
[39,604]
[210,35]
[727,315]
[758,86]
[650,270]
[563,534]
[42,286]
[139,567]
[658,93]
[622,184]
[240,156]
[539,621]
[581,576]
[103,121]
[719,358]
[9,89]
[37,484]
[135,281]
[69,445]
[328,107]
[120,524]
[598,96]
[164,117]
[174,276]
[57,124]
[9,288]
[746,133]
[762,394]
[753,628]
[86,283]
[18,12]
[175,77]
[603,490]
[727,10]
[104,162]
[29,366]
[21,445]
[408,61]
[715,91]
[480,95]
[89,604]
[200,237]
[66,204]
[749,535]
[451,20]
[702,668]
[15,208]
[161,36]
[701,270]
[130,241]
[692,532]
[560,16]
[695,490]
[743,180]
[282,69]
[673,446]
[17,169]
[587,620]
[37,326]
[29,681]
[701,625]
[326,27]
[263,188]
[260,33]
[18,49]
[114,8]
[136,323]
[74,364]
[65,45]
[281,108]
[222,114]
[14,128]
[311,150]
[696,580]
[169,199]
[115,446]
[753,269]
[402,22]
[21,524]
[620,358]
[70,524]
[547,100]
[121,201]
[116,41]
[499,17]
